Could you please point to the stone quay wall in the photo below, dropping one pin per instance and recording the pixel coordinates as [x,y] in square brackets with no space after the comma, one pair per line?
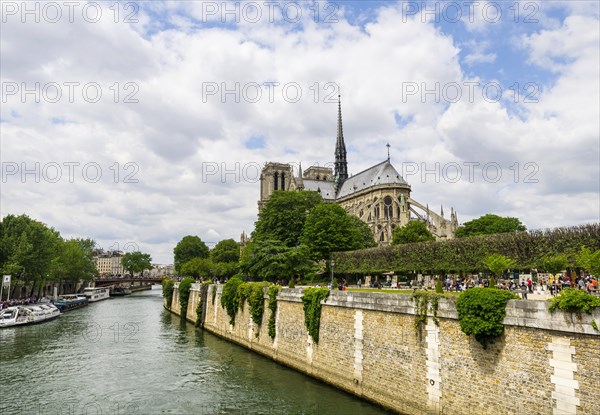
[544,364]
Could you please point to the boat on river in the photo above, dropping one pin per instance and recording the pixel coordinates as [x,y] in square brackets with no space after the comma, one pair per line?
[70,302]
[119,291]
[94,294]
[27,314]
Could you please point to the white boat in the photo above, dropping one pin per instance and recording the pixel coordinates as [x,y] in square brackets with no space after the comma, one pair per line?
[27,314]
[97,293]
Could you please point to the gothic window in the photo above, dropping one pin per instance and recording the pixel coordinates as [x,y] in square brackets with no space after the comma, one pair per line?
[369,218]
[388,208]
[360,214]
[282,181]
[377,212]
[276,176]
[382,238]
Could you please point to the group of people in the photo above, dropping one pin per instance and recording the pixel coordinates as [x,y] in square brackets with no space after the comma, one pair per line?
[22,301]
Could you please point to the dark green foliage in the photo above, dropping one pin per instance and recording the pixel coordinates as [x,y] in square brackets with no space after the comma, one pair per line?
[256,301]
[311,299]
[414,231]
[203,293]
[489,224]
[292,284]
[271,260]
[272,292]
[329,228]
[467,254]
[438,287]
[481,312]
[188,248]
[282,217]
[575,301]
[367,239]
[229,297]
[493,282]
[184,295]
[226,250]
[136,262]
[167,290]
[213,294]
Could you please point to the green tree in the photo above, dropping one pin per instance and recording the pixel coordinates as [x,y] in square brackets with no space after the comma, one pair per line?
[75,262]
[594,263]
[554,264]
[226,250]
[413,231]
[497,263]
[136,262]
[188,248]
[28,249]
[329,228]
[283,215]
[198,267]
[367,239]
[489,224]
[271,260]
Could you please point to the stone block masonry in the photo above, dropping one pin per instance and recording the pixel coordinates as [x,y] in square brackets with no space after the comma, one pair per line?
[544,364]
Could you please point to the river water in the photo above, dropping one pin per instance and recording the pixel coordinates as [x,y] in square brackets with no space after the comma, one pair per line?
[128,355]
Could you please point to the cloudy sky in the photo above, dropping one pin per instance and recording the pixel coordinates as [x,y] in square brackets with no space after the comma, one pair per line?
[137,123]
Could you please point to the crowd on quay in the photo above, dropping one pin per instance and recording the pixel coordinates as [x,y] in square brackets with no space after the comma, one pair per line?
[553,285]
[23,301]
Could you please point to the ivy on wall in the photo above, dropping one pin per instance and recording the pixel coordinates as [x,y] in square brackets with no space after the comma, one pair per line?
[167,290]
[184,295]
[481,312]
[425,301]
[203,292]
[311,299]
[272,292]
[574,301]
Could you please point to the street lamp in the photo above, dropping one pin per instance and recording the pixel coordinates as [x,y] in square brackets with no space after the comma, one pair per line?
[332,263]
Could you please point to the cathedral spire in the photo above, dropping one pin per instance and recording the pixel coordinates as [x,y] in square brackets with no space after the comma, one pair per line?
[341,165]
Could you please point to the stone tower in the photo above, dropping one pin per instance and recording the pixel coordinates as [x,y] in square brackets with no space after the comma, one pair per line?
[341,165]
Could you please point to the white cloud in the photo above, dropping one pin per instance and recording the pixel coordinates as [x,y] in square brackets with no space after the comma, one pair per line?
[176,136]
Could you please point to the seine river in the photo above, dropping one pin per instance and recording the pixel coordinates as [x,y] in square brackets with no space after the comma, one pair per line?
[127,356]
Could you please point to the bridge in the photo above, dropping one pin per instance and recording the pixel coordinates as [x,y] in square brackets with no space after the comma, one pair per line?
[104,281]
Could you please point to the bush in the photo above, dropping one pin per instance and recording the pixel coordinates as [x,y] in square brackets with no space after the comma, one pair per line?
[575,301]
[167,290]
[229,297]
[184,295]
[292,284]
[481,312]
[272,292]
[311,299]
[438,287]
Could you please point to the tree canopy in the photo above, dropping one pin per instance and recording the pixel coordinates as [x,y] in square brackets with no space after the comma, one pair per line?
[226,250]
[136,262]
[328,228]
[413,231]
[498,263]
[271,259]
[188,248]
[283,216]
[489,224]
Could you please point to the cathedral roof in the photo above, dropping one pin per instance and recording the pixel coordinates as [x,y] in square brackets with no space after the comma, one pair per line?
[382,173]
[325,188]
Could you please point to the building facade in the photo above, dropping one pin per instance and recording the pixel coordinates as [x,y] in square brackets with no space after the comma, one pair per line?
[109,263]
[379,196]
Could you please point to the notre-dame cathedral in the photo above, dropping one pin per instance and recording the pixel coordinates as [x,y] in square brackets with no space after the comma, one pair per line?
[378,195]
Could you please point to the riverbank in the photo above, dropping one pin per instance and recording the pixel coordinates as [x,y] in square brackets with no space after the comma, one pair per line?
[369,346]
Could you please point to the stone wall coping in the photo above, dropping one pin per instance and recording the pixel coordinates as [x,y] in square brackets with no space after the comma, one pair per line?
[520,313]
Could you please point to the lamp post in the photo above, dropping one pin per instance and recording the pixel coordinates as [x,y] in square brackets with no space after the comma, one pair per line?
[332,263]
